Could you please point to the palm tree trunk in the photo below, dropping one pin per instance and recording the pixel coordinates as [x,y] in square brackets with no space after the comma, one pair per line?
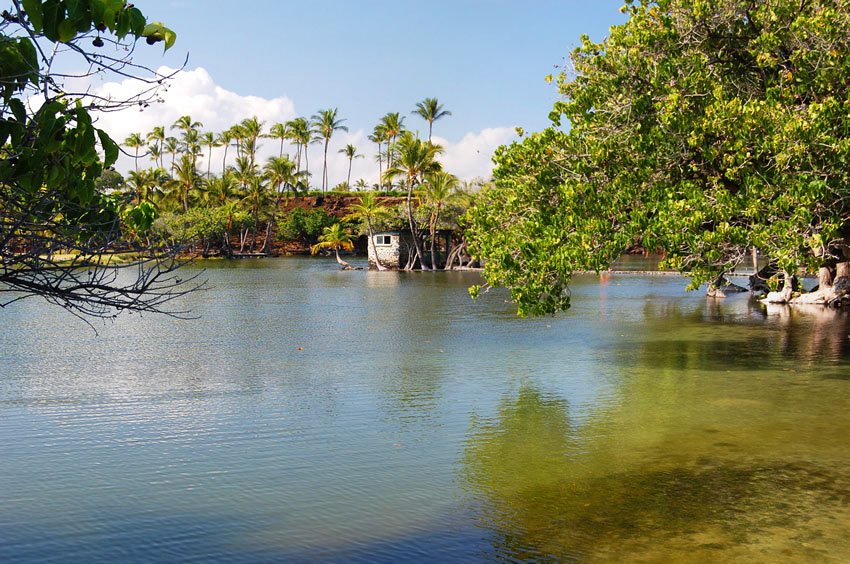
[380,167]
[410,222]
[433,238]
[325,168]
[371,234]
[348,179]
[307,168]
[341,262]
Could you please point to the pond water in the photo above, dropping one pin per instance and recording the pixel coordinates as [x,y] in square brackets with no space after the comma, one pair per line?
[312,414]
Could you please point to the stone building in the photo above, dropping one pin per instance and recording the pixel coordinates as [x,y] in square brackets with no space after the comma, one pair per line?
[395,248]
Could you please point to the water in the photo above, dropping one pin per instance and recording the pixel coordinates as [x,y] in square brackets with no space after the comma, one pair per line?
[314,414]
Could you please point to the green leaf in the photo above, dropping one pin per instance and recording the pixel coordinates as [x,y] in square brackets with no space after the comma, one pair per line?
[157,31]
[137,21]
[36,16]
[110,148]
[122,24]
[18,110]
[30,56]
[67,31]
[52,15]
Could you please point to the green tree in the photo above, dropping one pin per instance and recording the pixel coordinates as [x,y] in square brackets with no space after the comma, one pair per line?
[391,125]
[250,130]
[415,160]
[378,137]
[145,184]
[51,156]
[350,151]
[257,200]
[224,139]
[334,237]
[325,123]
[135,141]
[279,131]
[302,135]
[280,172]
[186,177]
[172,146]
[156,137]
[439,189]
[208,138]
[368,211]
[702,129]
[430,109]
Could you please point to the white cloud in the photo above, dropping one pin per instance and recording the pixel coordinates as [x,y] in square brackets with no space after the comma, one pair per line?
[195,93]
[471,156]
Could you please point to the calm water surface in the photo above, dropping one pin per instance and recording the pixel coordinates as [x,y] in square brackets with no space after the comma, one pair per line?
[313,414]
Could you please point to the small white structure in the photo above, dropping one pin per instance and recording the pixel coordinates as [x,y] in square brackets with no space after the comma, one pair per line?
[386,246]
[395,249]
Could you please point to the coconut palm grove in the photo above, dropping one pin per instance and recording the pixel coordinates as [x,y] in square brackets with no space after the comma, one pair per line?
[603,319]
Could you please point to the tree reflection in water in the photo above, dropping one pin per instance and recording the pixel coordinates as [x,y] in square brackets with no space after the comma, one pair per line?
[726,441]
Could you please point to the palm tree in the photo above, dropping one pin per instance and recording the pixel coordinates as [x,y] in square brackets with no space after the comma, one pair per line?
[191,146]
[282,177]
[416,159]
[222,189]
[223,140]
[187,178]
[172,145]
[368,211]
[438,190]
[336,238]
[155,153]
[257,198]
[378,136]
[144,184]
[244,171]
[430,110]
[251,129]
[135,141]
[392,125]
[279,131]
[281,174]
[350,151]
[361,185]
[326,123]
[185,123]
[157,138]
[189,136]
[301,134]
[209,139]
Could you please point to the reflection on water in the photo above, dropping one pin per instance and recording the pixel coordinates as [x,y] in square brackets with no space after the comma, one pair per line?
[726,440]
[314,414]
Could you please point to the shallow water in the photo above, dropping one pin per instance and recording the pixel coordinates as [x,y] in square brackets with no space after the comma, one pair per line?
[645,424]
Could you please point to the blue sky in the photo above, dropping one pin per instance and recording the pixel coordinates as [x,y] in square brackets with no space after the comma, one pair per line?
[485,60]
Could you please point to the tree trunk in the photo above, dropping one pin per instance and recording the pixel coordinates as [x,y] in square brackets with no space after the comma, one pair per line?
[325,168]
[784,295]
[433,239]
[380,168]
[410,221]
[348,179]
[344,265]
[371,245]
[307,169]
